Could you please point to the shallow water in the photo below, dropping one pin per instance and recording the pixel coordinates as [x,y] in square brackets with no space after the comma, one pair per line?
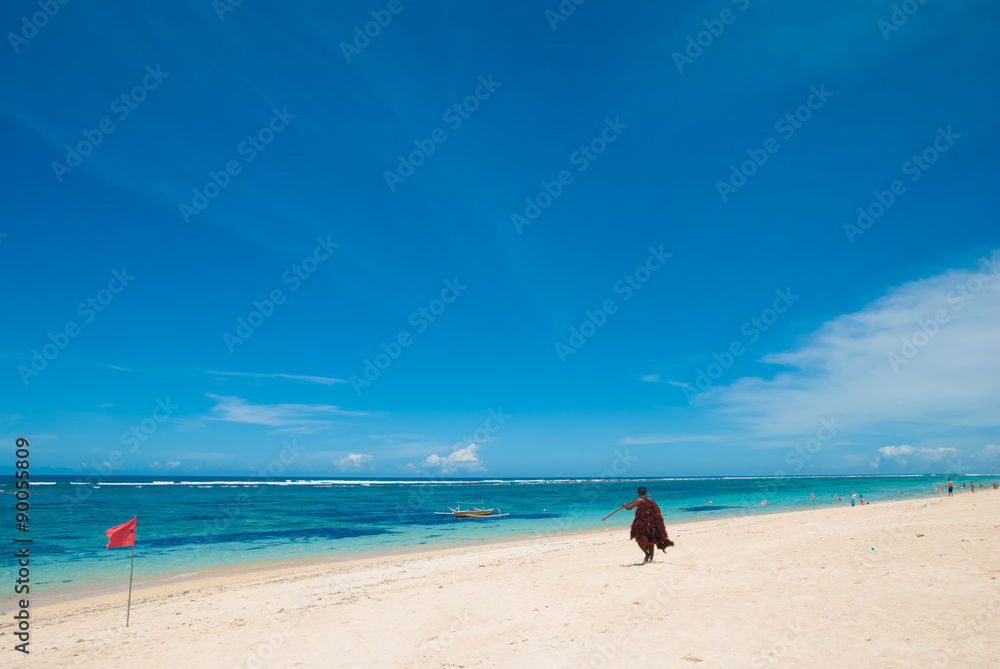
[190,525]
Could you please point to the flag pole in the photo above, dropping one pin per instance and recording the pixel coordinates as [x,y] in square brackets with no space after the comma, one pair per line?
[130,570]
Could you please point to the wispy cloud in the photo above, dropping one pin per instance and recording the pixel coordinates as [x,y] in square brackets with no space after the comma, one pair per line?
[650,378]
[301,416]
[463,459]
[847,369]
[353,462]
[322,380]
[648,439]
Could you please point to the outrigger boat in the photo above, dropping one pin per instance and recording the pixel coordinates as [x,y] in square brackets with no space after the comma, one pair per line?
[471,512]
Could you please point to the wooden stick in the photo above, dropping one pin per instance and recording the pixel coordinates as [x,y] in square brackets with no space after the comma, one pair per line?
[612,513]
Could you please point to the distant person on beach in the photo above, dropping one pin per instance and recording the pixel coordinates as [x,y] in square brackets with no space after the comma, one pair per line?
[647,528]
[973,486]
[764,502]
[852,498]
[951,488]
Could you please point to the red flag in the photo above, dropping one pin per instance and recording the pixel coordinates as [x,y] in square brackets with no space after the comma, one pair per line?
[122,535]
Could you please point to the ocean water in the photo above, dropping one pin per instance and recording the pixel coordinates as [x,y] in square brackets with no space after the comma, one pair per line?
[193,525]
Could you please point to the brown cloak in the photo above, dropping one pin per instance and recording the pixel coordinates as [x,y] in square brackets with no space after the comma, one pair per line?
[648,528]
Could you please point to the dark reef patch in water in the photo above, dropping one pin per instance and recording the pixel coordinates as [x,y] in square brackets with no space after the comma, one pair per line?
[706,507]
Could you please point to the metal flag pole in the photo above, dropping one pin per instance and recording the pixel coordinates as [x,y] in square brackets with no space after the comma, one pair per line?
[131,569]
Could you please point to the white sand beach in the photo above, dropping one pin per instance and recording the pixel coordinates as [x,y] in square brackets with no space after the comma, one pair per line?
[783,590]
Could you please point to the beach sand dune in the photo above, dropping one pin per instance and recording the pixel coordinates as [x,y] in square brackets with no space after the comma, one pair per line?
[800,589]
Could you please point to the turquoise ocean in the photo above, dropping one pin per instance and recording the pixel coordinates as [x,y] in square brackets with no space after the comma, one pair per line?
[189,526]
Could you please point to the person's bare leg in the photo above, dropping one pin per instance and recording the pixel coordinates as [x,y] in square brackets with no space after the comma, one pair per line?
[647,549]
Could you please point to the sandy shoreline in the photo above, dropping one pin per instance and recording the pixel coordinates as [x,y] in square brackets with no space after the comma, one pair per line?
[793,589]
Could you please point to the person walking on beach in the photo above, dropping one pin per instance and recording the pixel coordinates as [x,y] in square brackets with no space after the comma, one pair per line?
[647,528]
[951,488]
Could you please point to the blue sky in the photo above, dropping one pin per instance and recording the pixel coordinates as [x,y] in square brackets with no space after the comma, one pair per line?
[619,154]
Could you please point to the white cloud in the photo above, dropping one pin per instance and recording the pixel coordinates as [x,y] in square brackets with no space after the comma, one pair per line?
[650,378]
[465,459]
[648,439]
[896,451]
[928,454]
[990,450]
[353,462]
[323,380]
[170,464]
[844,368]
[293,416]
